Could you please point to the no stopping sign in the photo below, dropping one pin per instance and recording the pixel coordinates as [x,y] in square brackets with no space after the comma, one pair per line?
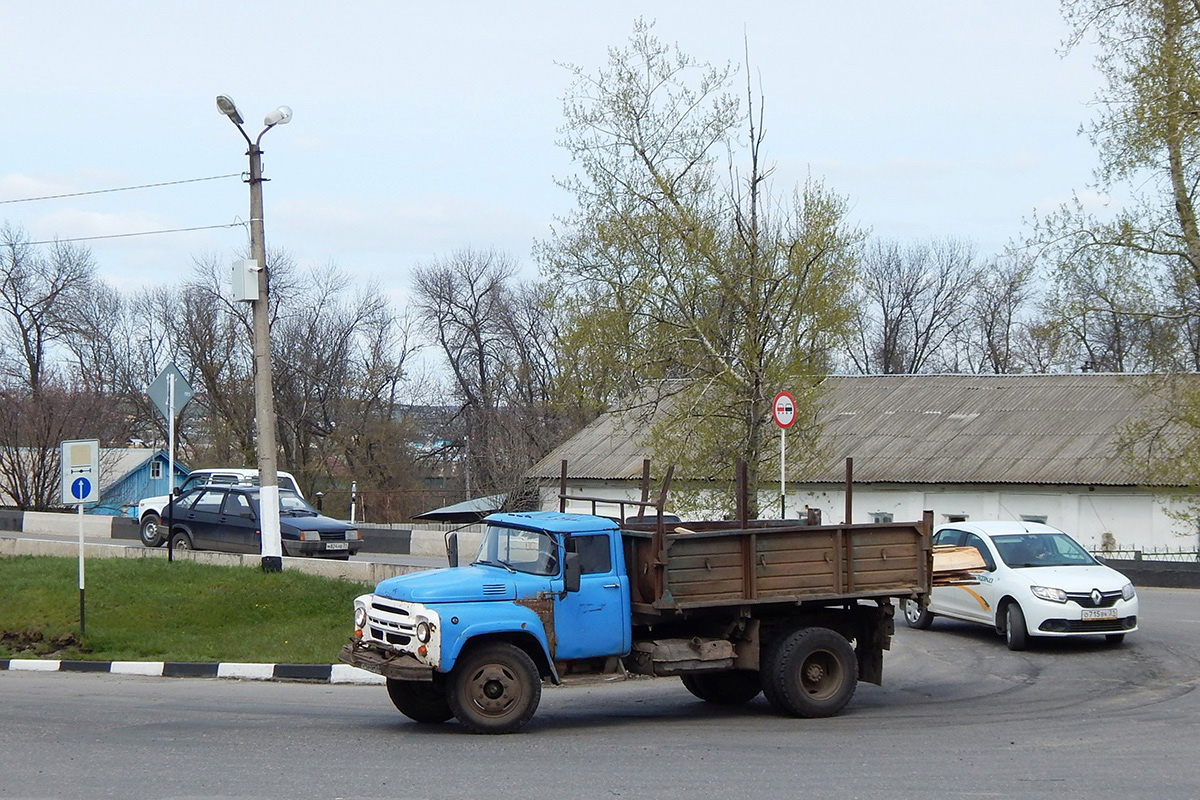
[783,410]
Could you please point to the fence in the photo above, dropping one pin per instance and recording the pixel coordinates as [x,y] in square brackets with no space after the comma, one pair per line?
[1163,554]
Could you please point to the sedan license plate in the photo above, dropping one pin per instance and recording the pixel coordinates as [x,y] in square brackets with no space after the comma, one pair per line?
[336,546]
[1098,613]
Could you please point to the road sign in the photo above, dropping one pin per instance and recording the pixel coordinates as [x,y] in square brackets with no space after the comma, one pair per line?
[160,391]
[81,488]
[80,471]
[783,410]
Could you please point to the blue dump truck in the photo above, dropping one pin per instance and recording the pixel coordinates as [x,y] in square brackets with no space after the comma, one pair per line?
[799,612]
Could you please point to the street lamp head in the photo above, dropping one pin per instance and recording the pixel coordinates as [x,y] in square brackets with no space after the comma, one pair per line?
[280,116]
[226,106]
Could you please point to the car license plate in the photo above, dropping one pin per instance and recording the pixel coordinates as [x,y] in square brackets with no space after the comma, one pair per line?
[336,546]
[1098,613]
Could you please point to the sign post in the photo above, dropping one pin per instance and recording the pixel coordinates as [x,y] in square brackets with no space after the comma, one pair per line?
[783,411]
[80,485]
[170,392]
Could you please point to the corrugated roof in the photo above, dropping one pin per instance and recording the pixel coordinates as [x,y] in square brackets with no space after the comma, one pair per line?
[1041,429]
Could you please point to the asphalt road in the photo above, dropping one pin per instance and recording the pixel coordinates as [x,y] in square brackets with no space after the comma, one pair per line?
[959,716]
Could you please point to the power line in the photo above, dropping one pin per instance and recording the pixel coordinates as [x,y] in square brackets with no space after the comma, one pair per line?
[120,189]
[139,233]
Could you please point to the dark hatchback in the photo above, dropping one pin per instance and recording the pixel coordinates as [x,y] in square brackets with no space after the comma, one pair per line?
[226,518]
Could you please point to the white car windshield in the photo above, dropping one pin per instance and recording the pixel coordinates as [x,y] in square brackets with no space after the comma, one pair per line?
[518,550]
[1041,550]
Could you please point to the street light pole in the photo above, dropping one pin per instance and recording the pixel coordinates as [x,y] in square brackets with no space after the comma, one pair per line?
[271,549]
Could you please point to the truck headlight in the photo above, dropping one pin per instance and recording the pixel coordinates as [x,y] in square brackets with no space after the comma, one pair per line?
[1127,592]
[1047,593]
[360,618]
[424,631]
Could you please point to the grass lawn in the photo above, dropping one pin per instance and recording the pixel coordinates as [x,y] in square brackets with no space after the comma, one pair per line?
[149,609]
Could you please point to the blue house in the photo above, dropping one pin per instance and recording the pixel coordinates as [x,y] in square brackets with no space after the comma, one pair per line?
[129,474]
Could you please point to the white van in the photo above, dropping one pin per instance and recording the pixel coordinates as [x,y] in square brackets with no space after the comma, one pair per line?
[150,509]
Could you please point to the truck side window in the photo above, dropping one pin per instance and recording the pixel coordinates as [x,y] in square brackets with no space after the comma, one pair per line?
[595,558]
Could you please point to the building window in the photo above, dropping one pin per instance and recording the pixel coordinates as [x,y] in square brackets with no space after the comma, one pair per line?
[881,516]
[956,518]
[1040,518]
[156,470]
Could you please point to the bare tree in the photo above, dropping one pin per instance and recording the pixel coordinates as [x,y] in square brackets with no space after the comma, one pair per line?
[496,338]
[38,293]
[996,323]
[32,427]
[914,300]
[339,362]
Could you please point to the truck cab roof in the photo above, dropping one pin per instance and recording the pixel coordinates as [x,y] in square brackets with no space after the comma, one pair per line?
[555,521]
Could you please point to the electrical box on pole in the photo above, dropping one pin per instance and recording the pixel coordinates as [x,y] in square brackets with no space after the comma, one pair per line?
[245,280]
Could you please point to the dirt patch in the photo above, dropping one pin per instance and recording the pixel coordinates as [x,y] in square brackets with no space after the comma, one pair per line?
[37,643]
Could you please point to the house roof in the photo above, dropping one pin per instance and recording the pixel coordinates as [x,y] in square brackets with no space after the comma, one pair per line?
[117,463]
[1030,429]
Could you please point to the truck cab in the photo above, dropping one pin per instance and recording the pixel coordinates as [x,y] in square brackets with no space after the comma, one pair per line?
[546,594]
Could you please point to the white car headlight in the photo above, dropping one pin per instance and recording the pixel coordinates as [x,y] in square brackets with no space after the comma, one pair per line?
[360,618]
[1048,593]
[1127,592]
[423,631]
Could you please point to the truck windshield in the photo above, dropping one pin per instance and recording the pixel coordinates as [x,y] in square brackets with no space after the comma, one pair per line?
[517,550]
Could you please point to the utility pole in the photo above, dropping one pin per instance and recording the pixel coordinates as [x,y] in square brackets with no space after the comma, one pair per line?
[271,549]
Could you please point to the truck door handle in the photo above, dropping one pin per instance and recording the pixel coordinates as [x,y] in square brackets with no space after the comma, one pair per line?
[612,586]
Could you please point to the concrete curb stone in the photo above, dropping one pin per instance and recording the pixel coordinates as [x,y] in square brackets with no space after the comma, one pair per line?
[309,673]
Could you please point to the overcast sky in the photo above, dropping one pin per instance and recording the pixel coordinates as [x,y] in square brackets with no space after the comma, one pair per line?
[422,128]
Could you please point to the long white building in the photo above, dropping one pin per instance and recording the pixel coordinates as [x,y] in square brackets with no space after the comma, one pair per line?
[1045,448]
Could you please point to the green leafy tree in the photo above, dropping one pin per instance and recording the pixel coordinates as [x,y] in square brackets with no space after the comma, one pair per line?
[1128,287]
[1147,135]
[681,270]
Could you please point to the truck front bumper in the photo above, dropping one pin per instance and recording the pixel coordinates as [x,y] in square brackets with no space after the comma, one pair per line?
[400,666]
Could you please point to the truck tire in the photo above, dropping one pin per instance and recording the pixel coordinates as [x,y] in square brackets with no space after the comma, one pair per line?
[916,615]
[724,688]
[152,530]
[494,688]
[420,701]
[810,672]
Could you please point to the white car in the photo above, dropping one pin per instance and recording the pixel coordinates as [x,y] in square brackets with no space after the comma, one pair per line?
[1037,581]
[150,509]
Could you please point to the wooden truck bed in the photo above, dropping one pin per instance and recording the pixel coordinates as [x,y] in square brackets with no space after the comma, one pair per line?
[719,566]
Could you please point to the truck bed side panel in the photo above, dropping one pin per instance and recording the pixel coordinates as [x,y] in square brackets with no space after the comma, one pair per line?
[710,567]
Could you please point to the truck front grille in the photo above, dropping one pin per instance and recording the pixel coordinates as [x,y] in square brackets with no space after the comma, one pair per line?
[389,623]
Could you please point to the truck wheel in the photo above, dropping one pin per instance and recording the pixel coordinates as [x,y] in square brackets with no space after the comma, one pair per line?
[724,688]
[420,701]
[811,672]
[495,688]
[152,530]
[916,615]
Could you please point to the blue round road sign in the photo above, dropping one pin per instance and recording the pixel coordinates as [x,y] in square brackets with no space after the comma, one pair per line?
[81,488]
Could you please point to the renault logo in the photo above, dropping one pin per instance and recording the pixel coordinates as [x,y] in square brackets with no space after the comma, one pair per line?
[1097,597]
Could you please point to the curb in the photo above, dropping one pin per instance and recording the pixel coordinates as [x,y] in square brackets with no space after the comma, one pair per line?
[308,673]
